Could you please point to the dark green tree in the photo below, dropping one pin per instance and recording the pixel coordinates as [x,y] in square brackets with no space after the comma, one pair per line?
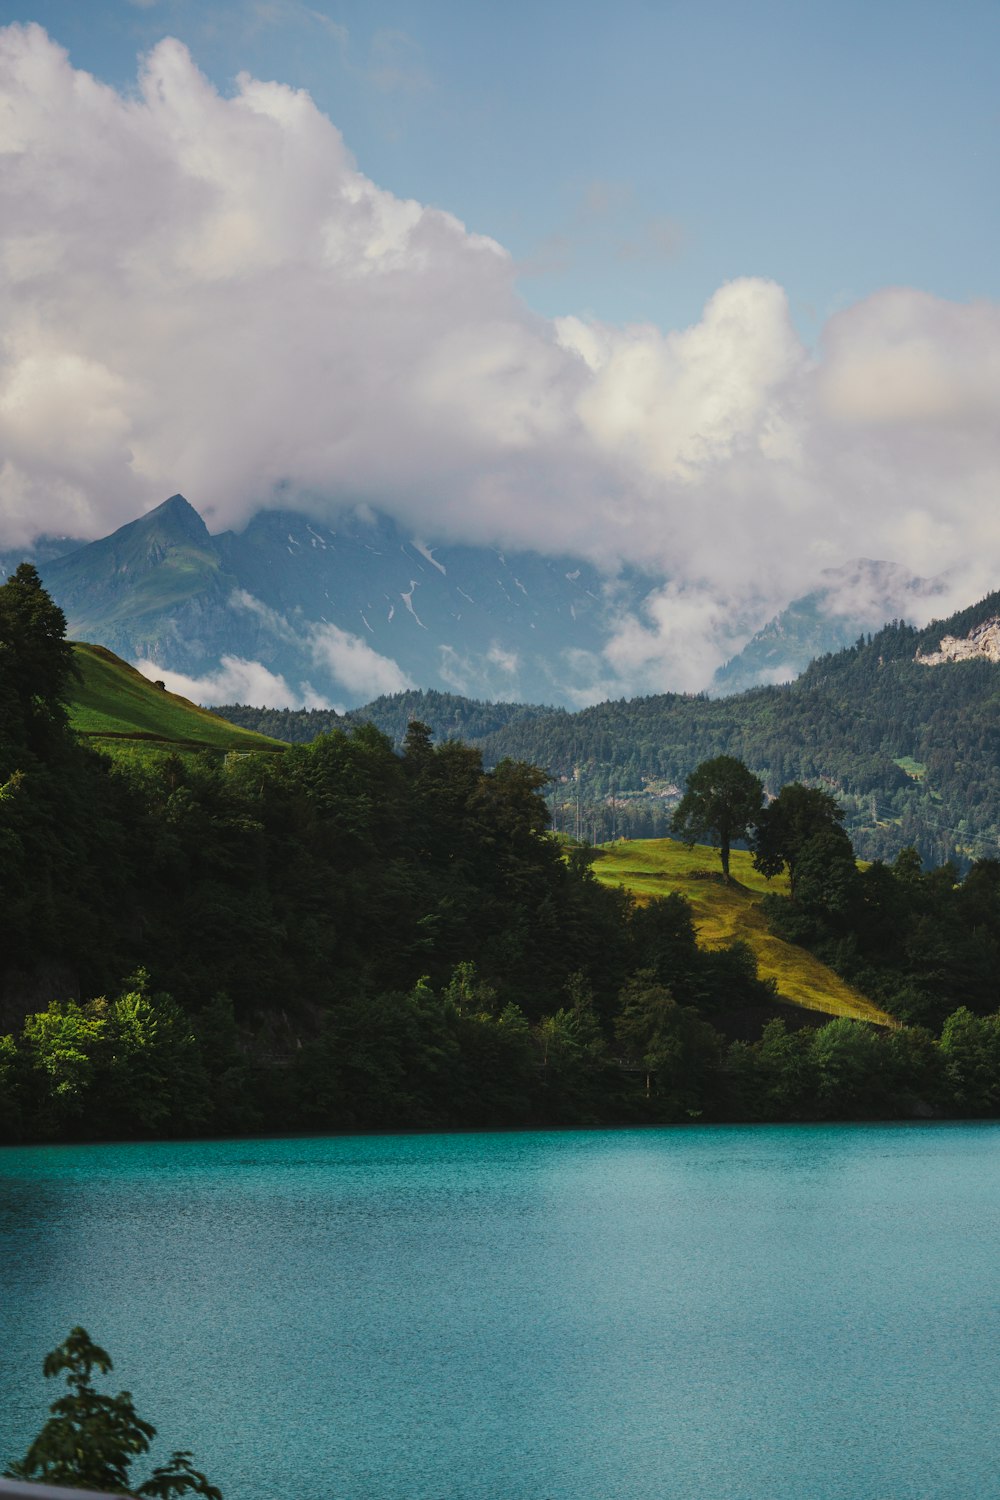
[36,662]
[827,880]
[970,1047]
[675,1046]
[91,1440]
[722,801]
[783,828]
[850,1070]
[783,1085]
[662,938]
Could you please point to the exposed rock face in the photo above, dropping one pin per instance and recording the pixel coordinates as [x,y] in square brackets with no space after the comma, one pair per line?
[982,641]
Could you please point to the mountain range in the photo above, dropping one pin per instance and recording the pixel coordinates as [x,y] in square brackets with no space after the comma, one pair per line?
[337,614]
[291,610]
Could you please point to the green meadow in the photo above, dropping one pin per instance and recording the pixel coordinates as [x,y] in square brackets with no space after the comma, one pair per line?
[118,709]
[725,913]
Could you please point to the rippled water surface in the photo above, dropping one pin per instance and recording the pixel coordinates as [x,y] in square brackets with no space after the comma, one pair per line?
[762,1313]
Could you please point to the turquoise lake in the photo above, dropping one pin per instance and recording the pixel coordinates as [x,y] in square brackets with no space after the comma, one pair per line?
[718,1313]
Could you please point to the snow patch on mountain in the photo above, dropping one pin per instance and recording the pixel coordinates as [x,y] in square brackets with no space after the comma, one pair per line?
[407,598]
[427,553]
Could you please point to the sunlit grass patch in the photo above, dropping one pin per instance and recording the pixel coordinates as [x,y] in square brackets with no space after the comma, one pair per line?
[913,768]
[113,703]
[727,913]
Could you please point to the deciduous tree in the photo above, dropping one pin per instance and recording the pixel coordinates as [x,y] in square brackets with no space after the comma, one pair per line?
[722,801]
[783,828]
[90,1440]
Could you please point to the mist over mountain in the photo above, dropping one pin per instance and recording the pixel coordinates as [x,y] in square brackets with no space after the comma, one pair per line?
[902,729]
[292,612]
[328,337]
[856,599]
[42,550]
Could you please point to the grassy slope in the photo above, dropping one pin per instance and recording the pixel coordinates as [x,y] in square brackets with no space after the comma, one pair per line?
[113,702]
[656,867]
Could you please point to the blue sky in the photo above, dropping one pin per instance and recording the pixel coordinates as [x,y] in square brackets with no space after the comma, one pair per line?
[725,305]
[634,157]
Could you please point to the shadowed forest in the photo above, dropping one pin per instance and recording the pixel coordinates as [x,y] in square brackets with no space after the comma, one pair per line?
[343,937]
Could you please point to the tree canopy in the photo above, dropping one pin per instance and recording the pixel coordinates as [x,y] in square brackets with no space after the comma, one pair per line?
[720,804]
[784,827]
[36,662]
[342,936]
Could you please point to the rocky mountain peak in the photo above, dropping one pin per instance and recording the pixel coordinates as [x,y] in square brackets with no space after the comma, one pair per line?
[177,516]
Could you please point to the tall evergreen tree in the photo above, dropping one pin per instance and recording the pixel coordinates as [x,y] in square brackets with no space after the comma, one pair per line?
[36,662]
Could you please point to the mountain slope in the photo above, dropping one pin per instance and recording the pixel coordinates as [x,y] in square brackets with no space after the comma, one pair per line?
[111,701]
[299,611]
[339,613]
[156,586]
[44,549]
[854,600]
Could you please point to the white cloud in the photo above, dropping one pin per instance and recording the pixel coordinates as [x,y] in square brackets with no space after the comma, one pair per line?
[675,641]
[918,361]
[684,404]
[588,678]
[491,675]
[353,663]
[276,624]
[203,293]
[236,681]
[507,661]
[348,659]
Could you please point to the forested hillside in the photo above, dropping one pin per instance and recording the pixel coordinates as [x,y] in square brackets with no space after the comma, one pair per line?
[342,936]
[452,717]
[912,752]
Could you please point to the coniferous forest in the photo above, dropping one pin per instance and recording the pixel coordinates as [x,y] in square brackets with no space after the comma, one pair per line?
[910,751]
[344,936]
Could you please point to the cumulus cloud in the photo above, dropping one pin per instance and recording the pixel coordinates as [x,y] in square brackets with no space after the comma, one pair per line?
[237,681]
[353,663]
[204,293]
[685,625]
